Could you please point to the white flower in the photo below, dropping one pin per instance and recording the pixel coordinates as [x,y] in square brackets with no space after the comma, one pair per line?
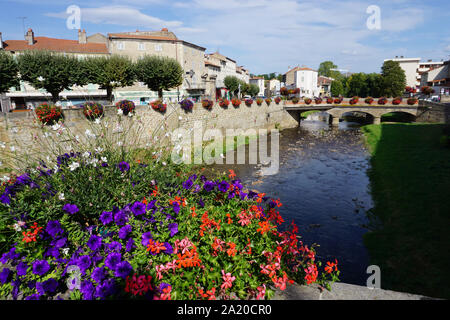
[4,179]
[47,134]
[15,130]
[104,159]
[17,227]
[98,150]
[2,144]
[89,134]
[65,251]
[56,126]
[97,121]
[61,196]
[119,112]
[86,155]
[130,114]
[180,118]
[74,165]
[77,138]
[40,78]
[120,143]
[163,163]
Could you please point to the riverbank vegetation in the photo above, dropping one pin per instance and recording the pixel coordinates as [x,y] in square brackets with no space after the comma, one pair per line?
[410,184]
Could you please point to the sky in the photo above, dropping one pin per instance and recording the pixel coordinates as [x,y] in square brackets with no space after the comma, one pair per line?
[262,35]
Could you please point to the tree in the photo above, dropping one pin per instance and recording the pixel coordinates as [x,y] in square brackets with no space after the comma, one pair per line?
[244,87]
[337,88]
[374,84]
[109,72]
[253,90]
[8,72]
[159,73]
[50,71]
[232,84]
[356,85]
[393,79]
[325,68]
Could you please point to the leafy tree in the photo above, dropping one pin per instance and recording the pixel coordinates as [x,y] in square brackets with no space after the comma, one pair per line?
[374,84]
[325,68]
[356,85]
[244,87]
[50,71]
[109,72]
[253,90]
[232,84]
[159,73]
[393,79]
[8,72]
[337,88]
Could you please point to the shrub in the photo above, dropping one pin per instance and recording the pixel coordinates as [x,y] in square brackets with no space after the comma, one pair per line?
[224,103]
[354,100]
[92,110]
[125,106]
[277,100]
[48,114]
[207,104]
[235,102]
[268,101]
[159,106]
[412,101]
[259,101]
[248,102]
[397,100]
[318,100]
[187,104]
[382,101]
[368,100]
[294,100]
[307,100]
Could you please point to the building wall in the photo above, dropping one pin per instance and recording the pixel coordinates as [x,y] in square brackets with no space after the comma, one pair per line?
[306,80]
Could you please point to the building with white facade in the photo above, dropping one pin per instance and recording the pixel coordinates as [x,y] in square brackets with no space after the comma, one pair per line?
[306,79]
[259,81]
[273,87]
[414,68]
[438,78]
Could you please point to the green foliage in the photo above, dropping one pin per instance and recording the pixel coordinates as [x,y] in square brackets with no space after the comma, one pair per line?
[159,73]
[232,84]
[393,79]
[253,89]
[374,84]
[109,72]
[8,72]
[337,88]
[357,85]
[50,71]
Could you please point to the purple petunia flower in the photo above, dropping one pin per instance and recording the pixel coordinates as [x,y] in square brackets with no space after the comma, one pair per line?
[94,243]
[123,269]
[169,248]
[201,204]
[59,243]
[130,245]
[124,231]
[33,297]
[138,208]
[98,275]
[52,252]
[71,208]
[48,286]
[5,275]
[87,289]
[176,207]
[5,199]
[163,285]
[22,268]
[105,289]
[187,184]
[106,217]
[40,267]
[120,218]
[84,262]
[173,228]
[112,260]
[53,228]
[223,186]
[114,246]
[151,205]
[197,188]
[208,186]
[146,238]
[123,166]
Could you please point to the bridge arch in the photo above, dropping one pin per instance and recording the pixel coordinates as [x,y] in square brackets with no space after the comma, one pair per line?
[398,116]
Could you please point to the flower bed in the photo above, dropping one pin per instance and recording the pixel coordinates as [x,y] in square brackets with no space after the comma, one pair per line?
[307,100]
[49,114]
[235,102]
[248,102]
[354,100]
[368,100]
[157,105]
[92,110]
[207,104]
[259,101]
[125,107]
[187,104]
[153,232]
[396,101]
[224,103]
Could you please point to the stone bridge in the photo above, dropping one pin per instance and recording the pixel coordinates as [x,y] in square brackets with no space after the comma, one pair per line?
[337,111]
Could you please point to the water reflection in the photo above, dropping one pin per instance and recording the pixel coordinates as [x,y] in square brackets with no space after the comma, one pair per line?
[323,186]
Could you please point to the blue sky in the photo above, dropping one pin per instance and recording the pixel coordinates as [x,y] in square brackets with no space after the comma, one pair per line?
[263,35]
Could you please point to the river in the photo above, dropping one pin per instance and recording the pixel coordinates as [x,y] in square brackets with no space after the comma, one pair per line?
[323,184]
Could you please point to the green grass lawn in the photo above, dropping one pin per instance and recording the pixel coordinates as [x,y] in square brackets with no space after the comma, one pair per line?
[410,185]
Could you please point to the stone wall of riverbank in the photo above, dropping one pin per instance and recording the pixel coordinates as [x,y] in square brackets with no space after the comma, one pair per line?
[436,112]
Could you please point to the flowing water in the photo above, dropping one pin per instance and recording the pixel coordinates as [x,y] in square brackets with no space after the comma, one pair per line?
[323,185]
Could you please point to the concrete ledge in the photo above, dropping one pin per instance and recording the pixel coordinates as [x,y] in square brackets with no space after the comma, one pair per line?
[342,291]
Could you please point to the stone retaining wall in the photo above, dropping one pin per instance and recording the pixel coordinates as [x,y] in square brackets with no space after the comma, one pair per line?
[435,113]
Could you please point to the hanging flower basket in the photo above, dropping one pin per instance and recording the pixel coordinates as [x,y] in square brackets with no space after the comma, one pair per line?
[396,101]
[412,101]
[307,100]
[329,100]
[295,100]
[186,104]
[382,101]
[337,100]
[92,110]
[235,102]
[207,104]
[368,100]
[354,100]
[157,105]
[224,103]
[49,114]
[268,101]
[126,106]
[259,101]
[318,100]
[277,100]
[248,102]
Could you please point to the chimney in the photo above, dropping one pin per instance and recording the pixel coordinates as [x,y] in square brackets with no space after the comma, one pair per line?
[29,37]
[1,41]
[164,30]
[82,36]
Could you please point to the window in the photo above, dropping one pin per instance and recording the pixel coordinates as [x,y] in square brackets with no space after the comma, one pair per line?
[141,46]
[158,47]
[120,46]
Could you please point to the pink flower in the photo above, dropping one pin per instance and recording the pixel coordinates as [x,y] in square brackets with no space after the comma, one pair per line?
[261,292]
[227,280]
